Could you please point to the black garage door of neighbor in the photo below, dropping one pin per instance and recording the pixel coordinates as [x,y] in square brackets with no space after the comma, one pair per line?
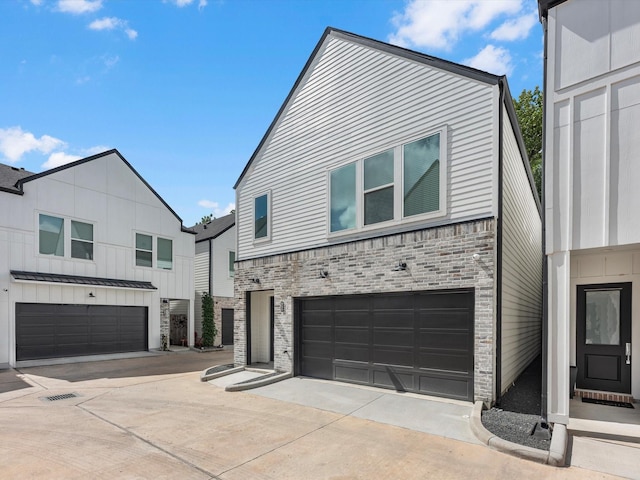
[417,342]
[51,330]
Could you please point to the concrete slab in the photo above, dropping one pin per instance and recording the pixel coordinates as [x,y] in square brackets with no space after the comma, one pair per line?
[234,378]
[617,458]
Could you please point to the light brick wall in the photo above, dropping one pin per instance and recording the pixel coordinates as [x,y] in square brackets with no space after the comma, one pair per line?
[436,258]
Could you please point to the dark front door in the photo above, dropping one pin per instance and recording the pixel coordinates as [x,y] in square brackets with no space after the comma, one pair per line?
[603,344]
[418,342]
[271,327]
[227,326]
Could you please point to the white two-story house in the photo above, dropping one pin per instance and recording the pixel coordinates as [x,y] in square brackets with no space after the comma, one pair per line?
[90,259]
[388,229]
[592,173]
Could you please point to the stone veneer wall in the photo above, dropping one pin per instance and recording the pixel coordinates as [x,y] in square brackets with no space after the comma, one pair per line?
[218,304]
[436,258]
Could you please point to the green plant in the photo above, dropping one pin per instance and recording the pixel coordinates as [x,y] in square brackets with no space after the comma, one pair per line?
[209,330]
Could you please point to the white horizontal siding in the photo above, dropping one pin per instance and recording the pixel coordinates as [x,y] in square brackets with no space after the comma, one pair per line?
[201,267]
[353,102]
[521,265]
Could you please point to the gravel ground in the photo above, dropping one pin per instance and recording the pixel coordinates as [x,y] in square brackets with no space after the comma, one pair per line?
[518,411]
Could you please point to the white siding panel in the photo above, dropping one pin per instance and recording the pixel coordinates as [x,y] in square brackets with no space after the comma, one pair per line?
[222,281]
[521,265]
[354,102]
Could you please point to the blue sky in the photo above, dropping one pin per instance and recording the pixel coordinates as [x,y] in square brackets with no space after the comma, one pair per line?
[185,89]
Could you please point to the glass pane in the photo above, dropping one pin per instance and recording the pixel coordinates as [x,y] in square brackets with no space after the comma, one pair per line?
[603,318]
[378,170]
[80,249]
[82,231]
[378,206]
[51,238]
[261,216]
[232,259]
[143,259]
[343,198]
[422,176]
[165,253]
[144,242]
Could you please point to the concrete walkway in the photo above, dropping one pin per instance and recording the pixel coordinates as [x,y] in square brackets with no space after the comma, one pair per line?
[131,420]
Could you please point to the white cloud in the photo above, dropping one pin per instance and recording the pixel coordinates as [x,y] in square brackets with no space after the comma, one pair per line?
[202,4]
[59,158]
[215,208]
[184,3]
[82,80]
[77,7]
[15,142]
[439,24]
[37,3]
[87,152]
[515,29]
[112,23]
[496,60]
[110,61]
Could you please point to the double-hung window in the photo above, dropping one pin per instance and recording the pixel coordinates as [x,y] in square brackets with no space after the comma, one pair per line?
[144,250]
[400,184]
[165,253]
[81,240]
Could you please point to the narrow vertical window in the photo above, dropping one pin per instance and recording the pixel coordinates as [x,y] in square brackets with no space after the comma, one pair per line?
[378,188]
[232,264]
[81,240]
[51,235]
[165,254]
[422,176]
[144,250]
[261,216]
[343,198]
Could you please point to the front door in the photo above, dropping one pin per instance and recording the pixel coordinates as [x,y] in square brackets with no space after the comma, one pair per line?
[603,344]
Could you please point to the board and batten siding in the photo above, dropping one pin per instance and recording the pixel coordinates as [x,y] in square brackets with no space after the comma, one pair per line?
[521,264]
[356,101]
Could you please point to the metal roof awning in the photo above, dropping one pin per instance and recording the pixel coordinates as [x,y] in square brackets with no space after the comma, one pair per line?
[54,278]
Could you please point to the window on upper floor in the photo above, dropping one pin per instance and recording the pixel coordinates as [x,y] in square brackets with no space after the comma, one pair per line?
[401,184]
[261,226]
[232,263]
[144,250]
[81,240]
[165,254]
[51,235]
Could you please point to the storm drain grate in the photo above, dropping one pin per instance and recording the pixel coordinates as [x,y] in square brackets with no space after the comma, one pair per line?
[63,396]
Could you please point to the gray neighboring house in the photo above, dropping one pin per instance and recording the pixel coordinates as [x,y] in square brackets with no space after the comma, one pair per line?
[214,273]
[389,232]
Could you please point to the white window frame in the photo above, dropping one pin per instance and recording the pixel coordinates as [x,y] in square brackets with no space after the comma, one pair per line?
[231,273]
[135,249]
[398,185]
[72,239]
[67,239]
[267,238]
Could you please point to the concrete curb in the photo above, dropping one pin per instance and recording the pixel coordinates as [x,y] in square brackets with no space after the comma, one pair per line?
[258,382]
[555,456]
[204,377]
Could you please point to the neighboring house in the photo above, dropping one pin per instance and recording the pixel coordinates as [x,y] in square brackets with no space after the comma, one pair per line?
[90,257]
[214,271]
[592,173]
[389,232]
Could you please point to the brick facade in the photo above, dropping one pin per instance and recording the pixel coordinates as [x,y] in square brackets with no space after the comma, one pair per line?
[436,258]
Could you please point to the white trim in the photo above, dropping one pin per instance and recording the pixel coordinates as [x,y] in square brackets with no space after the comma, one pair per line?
[269,215]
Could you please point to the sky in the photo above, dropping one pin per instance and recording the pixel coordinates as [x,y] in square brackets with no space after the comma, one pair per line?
[186,89]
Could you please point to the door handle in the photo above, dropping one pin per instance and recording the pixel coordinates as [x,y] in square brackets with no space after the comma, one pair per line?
[628,353]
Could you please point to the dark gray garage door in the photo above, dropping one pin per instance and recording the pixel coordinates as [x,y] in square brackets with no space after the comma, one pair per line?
[51,330]
[418,342]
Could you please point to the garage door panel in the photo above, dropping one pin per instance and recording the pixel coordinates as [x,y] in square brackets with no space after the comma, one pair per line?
[352,373]
[60,330]
[419,341]
[351,352]
[393,319]
[445,340]
[387,356]
[318,349]
[445,362]
[319,319]
[397,380]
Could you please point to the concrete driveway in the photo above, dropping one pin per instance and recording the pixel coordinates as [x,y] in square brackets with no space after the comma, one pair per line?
[151,417]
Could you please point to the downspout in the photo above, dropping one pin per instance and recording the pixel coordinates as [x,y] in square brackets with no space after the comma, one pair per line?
[499,246]
[545,267]
[210,268]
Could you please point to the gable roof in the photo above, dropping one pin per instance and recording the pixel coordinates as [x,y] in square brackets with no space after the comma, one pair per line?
[9,177]
[545,5]
[435,62]
[25,179]
[214,228]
